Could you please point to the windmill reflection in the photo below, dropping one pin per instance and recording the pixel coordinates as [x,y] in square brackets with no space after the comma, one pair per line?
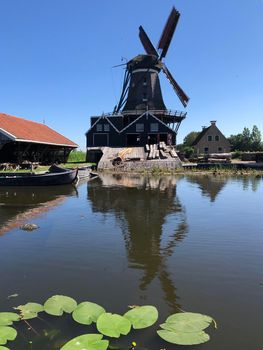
[142,206]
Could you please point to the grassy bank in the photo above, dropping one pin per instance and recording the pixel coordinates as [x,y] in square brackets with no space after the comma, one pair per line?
[44,168]
[180,171]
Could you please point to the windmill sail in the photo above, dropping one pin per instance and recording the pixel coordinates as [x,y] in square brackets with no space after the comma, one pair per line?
[146,42]
[168,32]
[179,91]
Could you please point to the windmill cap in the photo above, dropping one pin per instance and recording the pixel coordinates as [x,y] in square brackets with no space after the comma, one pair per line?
[144,62]
[213,122]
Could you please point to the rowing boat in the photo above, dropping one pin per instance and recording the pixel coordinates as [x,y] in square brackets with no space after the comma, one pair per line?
[53,177]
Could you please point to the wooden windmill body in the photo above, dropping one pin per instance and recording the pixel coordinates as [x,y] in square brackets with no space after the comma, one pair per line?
[141,117]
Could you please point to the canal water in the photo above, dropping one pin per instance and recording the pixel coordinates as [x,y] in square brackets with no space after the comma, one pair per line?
[191,243]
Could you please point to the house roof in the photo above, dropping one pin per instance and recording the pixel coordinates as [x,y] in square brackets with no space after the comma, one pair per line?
[24,130]
[200,135]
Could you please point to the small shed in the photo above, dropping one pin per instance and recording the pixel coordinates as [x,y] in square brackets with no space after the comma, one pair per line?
[26,140]
[211,140]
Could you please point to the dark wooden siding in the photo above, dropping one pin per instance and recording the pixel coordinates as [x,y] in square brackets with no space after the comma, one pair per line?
[119,139]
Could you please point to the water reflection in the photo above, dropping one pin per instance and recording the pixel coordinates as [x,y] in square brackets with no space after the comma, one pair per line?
[252,181]
[212,185]
[209,185]
[142,206]
[20,204]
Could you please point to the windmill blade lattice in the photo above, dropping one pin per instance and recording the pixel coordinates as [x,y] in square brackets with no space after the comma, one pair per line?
[146,42]
[168,32]
[179,91]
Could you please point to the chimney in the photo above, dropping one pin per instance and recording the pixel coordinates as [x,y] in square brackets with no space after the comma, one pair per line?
[213,122]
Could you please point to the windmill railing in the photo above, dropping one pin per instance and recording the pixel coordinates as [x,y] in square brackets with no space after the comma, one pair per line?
[159,112]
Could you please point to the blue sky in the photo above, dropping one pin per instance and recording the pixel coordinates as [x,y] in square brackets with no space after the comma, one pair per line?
[57,56]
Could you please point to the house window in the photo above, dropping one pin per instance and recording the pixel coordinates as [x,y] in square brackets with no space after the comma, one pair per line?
[139,127]
[99,127]
[206,149]
[216,138]
[209,138]
[154,127]
[106,127]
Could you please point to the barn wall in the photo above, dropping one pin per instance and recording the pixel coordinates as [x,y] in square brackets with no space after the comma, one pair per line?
[104,134]
[147,121]
[102,131]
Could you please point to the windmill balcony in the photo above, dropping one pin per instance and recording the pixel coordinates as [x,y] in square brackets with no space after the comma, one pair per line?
[173,115]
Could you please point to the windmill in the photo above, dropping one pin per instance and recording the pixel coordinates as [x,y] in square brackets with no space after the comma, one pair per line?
[141,118]
[141,87]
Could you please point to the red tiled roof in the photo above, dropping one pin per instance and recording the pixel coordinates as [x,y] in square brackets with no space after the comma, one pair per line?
[26,130]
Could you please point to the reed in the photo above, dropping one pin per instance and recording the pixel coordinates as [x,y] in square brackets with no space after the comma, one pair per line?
[77,157]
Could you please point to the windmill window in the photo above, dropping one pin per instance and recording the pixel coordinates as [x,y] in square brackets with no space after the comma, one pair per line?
[216,138]
[219,149]
[139,127]
[99,127]
[206,149]
[144,97]
[144,81]
[106,127]
[209,138]
[154,127]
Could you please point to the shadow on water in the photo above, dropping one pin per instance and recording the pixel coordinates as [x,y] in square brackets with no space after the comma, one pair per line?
[20,204]
[141,206]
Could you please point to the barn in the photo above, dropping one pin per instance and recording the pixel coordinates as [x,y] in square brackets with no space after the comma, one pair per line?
[25,140]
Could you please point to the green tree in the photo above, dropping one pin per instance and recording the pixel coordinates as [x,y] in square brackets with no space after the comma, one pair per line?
[186,147]
[236,142]
[256,141]
[190,138]
[247,141]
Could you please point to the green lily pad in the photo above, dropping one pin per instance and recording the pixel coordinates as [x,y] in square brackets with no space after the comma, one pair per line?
[87,342]
[58,304]
[7,318]
[113,325]
[7,333]
[187,322]
[87,312]
[29,310]
[3,348]
[142,316]
[184,338]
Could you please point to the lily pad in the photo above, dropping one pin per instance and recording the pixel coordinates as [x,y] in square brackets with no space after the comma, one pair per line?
[187,322]
[87,312]
[142,316]
[7,333]
[3,348]
[58,304]
[7,318]
[184,338]
[86,342]
[29,310]
[113,325]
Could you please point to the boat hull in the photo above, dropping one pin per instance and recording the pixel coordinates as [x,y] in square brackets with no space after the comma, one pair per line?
[46,179]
